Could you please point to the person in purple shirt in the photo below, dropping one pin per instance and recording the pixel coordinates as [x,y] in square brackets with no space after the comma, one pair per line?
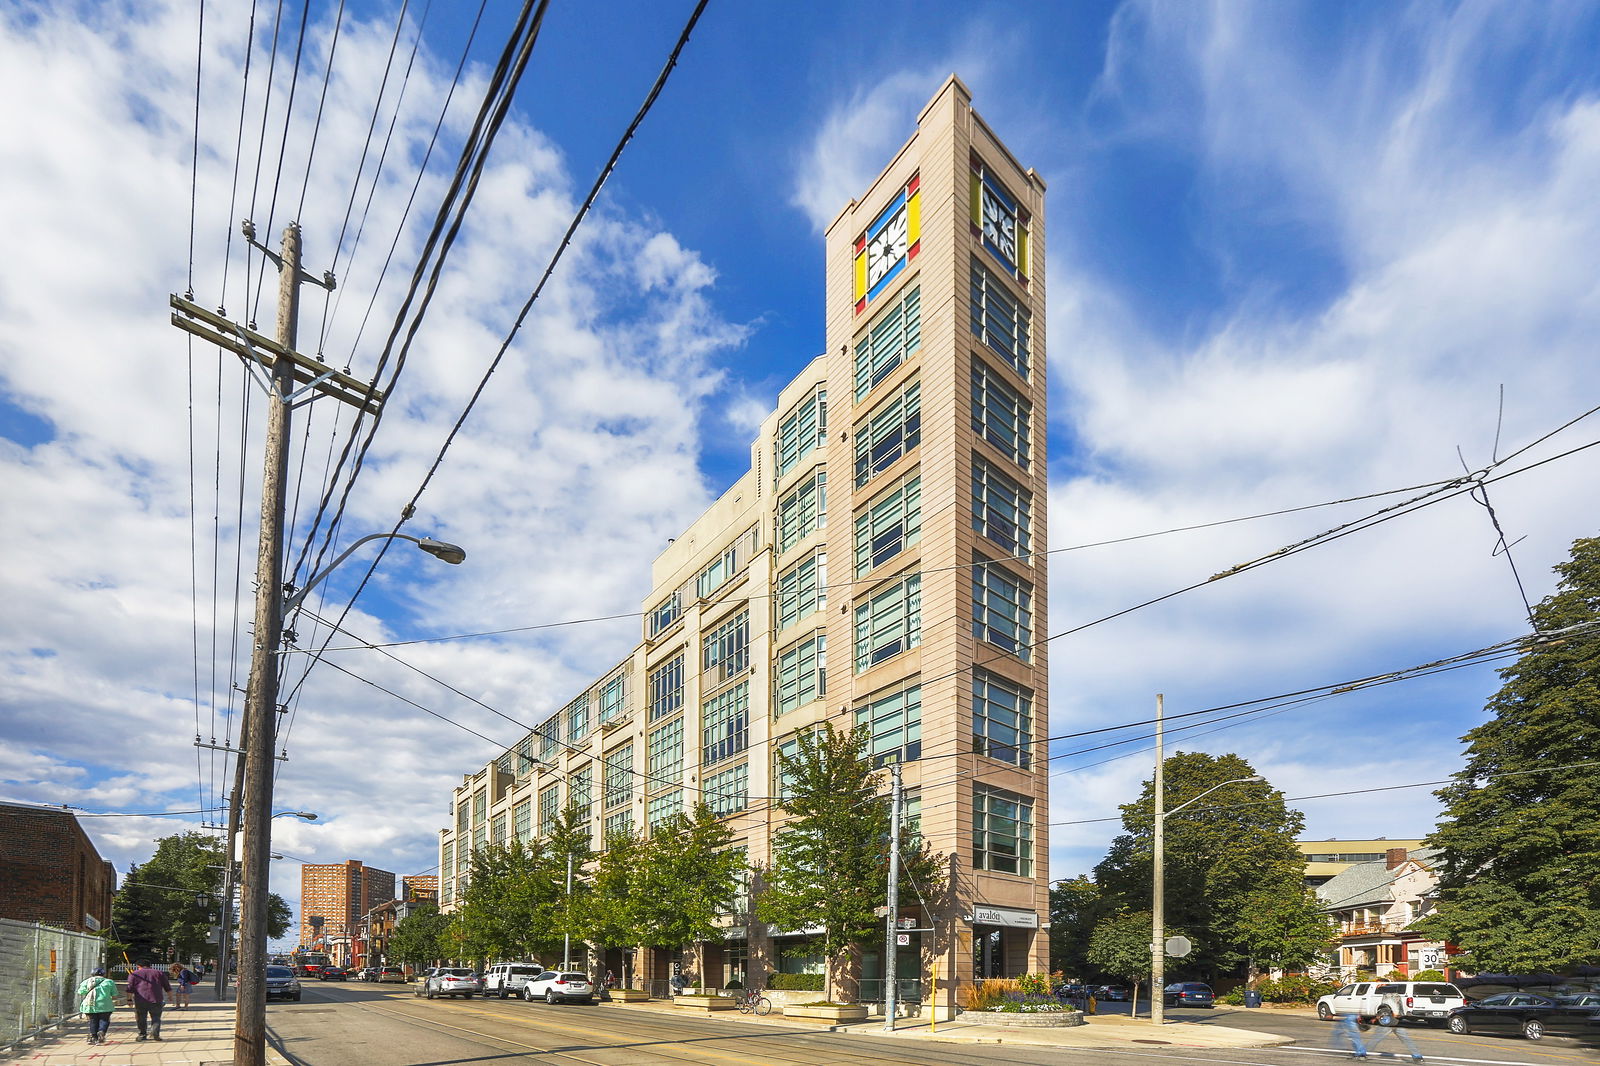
[147,991]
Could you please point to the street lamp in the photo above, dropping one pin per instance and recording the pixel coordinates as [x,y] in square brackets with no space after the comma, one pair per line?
[261,702]
[309,816]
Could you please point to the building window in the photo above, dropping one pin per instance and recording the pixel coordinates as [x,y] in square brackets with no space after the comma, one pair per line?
[894,336]
[480,806]
[802,589]
[480,836]
[1002,832]
[666,754]
[1000,508]
[717,574]
[889,623]
[611,698]
[1002,719]
[1002,608]
[549,807]
[581,793]
[620,822]
[998,319]
[663,807]
[999,413]
[890,524]
[463,817]
[522,820]
[447,863]
[497,829]
[729,791]
[802,509]
[727,650]
[787,748]
[725,724]
[549,736]
[664,614]
[666,688]
[999,221]
[802,673]
[577,714]
[804,428]
[619,776]
[894,725]
[894,429]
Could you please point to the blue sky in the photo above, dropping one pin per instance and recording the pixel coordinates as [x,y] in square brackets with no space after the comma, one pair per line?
[1295,253]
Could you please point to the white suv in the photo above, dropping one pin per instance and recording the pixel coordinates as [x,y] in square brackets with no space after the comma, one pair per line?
[508,978]
[1388,1001]
[449,981]
[555,986]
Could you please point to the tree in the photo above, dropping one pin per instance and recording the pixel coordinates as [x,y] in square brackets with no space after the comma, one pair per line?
[1120,946]
[1233,874]
[418,938]
[505,910]
[136,927]
[606,916]
[1520,836]
[1076,907]
[686,878]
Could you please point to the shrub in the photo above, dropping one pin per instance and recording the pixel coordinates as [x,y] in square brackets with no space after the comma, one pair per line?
[796,982]
[1428,975]
[1037,984]
[1292,988]
[735,983]
[1234,997]
[986,995]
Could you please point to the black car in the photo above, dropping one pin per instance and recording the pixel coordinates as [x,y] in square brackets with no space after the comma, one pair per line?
[333,973]
[281,981]
[1531,1015]
[1189,994]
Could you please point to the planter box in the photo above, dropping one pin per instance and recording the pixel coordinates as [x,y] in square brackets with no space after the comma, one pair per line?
[817,1012]
[1042,1020]
[627,995]
[705,1002]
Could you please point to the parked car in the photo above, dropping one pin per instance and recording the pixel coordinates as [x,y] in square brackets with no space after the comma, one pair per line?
[390,973]
[333,973]
[449,981]
[366,973]
[508,978]
[554,986]
[1114,993]
[282,982]
[1388,1001]
[1533,1016]
[1188,994]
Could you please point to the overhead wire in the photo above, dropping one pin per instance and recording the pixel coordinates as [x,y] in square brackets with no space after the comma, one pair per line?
[261,151]
[238,155]
[316,125]
[283,143]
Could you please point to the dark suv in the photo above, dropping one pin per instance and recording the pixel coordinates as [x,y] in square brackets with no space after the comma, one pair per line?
[1189,994]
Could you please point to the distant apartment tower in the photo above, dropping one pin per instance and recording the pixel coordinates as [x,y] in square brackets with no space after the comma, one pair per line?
[881,564]
[418,887]
[50,871]
[340,894]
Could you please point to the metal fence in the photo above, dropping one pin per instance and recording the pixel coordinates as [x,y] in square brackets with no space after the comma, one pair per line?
[40,968]
[908,991]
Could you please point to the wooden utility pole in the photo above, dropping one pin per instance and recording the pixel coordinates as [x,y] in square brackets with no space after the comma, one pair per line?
[279,368]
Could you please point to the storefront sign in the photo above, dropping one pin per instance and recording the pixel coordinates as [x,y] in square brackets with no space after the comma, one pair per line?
[1012,917]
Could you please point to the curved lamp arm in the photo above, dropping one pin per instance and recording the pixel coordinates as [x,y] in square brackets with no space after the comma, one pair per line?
[453,554]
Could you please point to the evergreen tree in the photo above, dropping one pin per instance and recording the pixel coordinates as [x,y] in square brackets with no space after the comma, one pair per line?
[1520,836]
[167,906]
[136,928]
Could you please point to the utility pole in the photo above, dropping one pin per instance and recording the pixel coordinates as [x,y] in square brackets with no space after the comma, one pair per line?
[566,936]
[278,368]
[890,947]
[1158,901]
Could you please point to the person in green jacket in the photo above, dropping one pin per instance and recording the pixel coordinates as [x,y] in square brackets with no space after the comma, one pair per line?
[97,996]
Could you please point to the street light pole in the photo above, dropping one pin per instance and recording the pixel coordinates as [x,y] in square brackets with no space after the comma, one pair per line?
[566,935]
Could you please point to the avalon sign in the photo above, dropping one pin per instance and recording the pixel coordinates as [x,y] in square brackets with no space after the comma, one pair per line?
[1011,917]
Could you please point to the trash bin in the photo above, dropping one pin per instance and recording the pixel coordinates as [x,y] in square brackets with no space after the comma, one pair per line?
[1252,998]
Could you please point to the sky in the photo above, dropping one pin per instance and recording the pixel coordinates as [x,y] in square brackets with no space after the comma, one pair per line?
[1298,253]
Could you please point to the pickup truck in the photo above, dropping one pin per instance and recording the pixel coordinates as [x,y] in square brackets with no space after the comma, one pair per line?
[1389,1001]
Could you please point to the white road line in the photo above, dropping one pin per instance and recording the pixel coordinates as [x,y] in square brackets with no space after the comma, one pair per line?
[1344,1053]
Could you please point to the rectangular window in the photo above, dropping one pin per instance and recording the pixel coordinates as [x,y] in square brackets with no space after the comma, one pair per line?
[894,723]
[802,509]
[1002,832]
[480,806]
[804,428]
[522,819]
[582,792]
[894,429]
[620,822]
[717,574]
[480,836]
[998,319]
[577,715]
[802,589]
[802,673]
[893,338]
[1000,508]
[999,413]
[664,806]
[725,724]
[524,760]
[666,755]
[497,829]
[787,748]
[727,650]
[447,865]
[1002,608]
[889,623]
[549,736]
[463,817]
[729,791]
[619,776]
[890,524]
[1002,719]
[549,807]
[611,698]
[664,614]
[666,688]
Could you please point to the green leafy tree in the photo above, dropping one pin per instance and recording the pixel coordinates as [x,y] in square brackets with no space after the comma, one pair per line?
[1076,907]
[419,938]
[687,877]
[830,859]
[507,906]
[1120,946]
[606,916]
[1234,876]
[1520,836]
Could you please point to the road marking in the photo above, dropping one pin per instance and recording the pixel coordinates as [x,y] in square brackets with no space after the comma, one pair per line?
[1344,1053]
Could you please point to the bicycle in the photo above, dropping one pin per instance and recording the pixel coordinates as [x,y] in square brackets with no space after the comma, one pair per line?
[753,1002]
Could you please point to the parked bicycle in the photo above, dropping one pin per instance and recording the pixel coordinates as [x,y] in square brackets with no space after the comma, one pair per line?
[751,1001]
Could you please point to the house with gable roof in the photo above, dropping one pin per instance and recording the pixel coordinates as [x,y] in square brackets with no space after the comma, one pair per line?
[1375,906]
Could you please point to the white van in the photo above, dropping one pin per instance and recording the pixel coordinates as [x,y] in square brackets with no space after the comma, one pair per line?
[508,978]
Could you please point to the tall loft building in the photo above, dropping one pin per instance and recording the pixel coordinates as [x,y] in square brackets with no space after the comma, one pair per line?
[881,564]
[338,896]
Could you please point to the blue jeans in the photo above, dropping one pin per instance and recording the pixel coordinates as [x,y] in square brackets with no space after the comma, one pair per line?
[98,1025]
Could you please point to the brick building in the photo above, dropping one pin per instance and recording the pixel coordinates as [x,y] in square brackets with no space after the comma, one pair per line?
[340,894]
[50,871]
[420,887]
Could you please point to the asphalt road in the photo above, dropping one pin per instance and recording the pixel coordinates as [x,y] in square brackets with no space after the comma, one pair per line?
[354,1024]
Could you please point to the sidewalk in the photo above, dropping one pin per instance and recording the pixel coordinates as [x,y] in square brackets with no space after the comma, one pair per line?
[200,1034]
[1099,1031]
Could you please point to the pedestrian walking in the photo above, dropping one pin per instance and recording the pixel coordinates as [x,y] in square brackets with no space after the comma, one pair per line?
[148,988]
[183,982]
[97,998]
